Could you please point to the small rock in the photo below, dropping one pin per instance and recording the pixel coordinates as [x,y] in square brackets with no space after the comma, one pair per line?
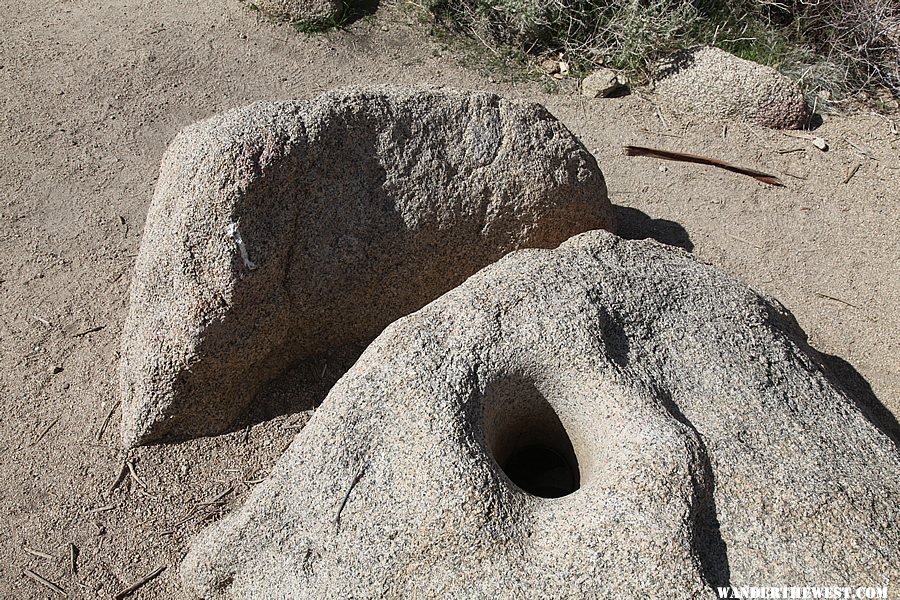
[56,370]
[601,83]
[550,66]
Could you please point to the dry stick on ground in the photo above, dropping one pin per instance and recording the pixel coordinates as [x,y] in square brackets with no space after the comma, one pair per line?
[133,588]
[73,558]
[191,514]
[37,553]
[131,470]
[860,150]
[850,304]
[740,239]
[851,173]
[106,420]
[701,160]
[217,497]
[119,478]
[91,330]
[197,515]
[44,582]
[815,140]
[45,431]
[661,118]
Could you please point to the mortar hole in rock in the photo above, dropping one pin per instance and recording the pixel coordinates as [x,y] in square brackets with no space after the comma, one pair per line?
[529,443]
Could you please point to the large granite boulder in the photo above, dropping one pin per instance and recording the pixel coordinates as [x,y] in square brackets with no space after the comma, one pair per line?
[710,81]
[610,419]
[289,230]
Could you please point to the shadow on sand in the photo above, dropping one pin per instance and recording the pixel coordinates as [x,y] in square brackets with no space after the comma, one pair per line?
[636,225]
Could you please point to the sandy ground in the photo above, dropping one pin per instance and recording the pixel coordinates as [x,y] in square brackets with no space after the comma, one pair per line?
[89,97]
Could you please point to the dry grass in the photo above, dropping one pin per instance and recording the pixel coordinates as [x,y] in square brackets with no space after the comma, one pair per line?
[833,48]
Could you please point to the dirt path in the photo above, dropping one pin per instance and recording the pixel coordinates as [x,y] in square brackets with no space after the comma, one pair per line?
[89,98]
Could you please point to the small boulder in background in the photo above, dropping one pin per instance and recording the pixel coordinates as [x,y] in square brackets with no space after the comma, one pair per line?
[710,81]
[302,11]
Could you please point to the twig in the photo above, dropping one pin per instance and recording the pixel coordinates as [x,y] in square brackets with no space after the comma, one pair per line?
[191,514]
[44,582]
[130,464]
[104,508]
[106,420]
[702,160]
[851,305]
[218,497]
[73,558]
[862,151]
[818,142]
[255,480]
[663,134]
[120,477]
[815,105]
[751,131]
[37,553]
[131,589]
[44,322]
[661,118]
[851,173]
[799,135]
[91,330]
[359,474]
[484,43]
[740,239]
[143,492]
[195,512]
[791,150]
[45,431]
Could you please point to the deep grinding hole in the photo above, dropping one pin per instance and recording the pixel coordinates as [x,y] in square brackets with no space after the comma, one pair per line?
[525,436]
[541,471]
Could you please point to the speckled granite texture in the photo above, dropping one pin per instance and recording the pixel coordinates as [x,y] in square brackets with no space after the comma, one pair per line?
[288,230]
[710,449]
